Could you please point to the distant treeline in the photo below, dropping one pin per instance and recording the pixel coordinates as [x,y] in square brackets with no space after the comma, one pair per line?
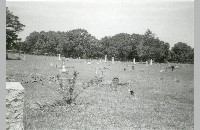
[124,47]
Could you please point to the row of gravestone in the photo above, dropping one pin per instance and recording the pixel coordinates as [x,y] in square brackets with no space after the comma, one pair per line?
[15,102]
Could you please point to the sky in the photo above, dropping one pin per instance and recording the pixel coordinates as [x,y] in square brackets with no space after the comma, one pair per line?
[170,20]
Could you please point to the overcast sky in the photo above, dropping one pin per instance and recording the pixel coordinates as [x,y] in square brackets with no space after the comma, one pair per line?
[171,20]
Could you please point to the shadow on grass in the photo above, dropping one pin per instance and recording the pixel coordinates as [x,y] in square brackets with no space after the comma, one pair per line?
[13,59]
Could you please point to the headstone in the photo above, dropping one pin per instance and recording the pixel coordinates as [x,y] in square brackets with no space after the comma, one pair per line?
[89,62]
[96,71]
[105,58]
[146,62]
[172,68]
[115,83]
[100,61]
[14,106]
[63,65]
[51,64]
[151,62]
[59,57]
[113,60]
[134,61]
[24,58]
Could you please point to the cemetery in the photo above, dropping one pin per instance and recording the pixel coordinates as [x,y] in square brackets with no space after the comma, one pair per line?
[120,77]
[55,92]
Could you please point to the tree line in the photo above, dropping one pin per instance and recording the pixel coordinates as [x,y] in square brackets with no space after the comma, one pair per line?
[79,43]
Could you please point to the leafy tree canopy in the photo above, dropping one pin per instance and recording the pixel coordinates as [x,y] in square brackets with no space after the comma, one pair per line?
[13,27]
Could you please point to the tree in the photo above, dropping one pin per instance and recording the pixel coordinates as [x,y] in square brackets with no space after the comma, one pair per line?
[30,42]
[13,27]
[146,45]
[182,53]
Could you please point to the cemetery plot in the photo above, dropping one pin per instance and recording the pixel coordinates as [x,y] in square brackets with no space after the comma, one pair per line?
[142,98]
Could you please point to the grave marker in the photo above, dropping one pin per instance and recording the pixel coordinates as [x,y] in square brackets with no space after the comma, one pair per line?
[59,57]
[63,65]
[115,83]
[96,71]
[105,58]
[134,61]
[24,58]
[151,62]
[113,60]
[146,63]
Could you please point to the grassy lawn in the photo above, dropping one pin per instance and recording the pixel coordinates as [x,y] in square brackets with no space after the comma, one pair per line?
[162,100]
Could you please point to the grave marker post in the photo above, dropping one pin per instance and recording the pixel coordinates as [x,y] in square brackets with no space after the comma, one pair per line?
[59,57]
[105,58]
[24,57]
[96,71]
[134,61]
[113,60]
[151,62]
[146,63]
[63,65]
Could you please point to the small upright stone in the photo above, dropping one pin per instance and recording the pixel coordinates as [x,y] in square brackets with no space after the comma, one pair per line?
[63,65]
[134,61]
[115,83]
[59,57]
[146,63]
[151,62]
[24,58]
[105,58]
[113,60]
[96,72]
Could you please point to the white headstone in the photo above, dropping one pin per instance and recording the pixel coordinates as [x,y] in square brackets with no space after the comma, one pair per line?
[89,62]
[113,60]
[134,61]
[63,65]
[59,57]
[63,68]
[105,58]
[100,61]
[51,64]
[151,62]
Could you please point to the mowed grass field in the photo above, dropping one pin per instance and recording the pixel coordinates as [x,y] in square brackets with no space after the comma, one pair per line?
[162,100]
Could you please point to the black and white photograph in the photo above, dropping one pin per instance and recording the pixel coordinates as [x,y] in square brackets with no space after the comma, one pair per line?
[99,64]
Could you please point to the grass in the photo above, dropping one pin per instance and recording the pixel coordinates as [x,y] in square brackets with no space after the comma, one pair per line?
[162,100]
